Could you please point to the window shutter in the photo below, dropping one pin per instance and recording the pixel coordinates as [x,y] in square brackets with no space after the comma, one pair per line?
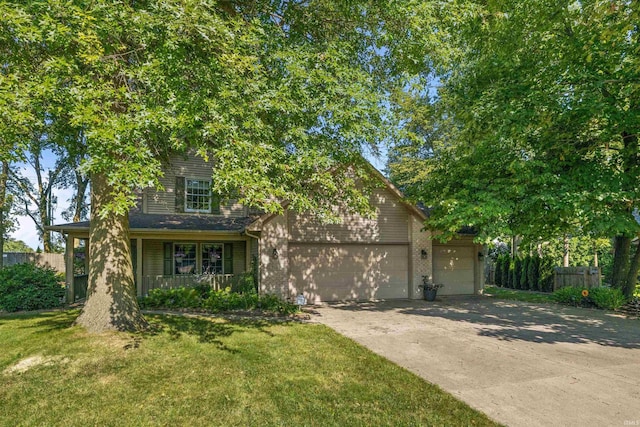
[215,203]
[168,259]
[228,258]
[179,194]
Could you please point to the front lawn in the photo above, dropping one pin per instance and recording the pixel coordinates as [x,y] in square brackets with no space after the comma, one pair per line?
[207,371]
[517,295]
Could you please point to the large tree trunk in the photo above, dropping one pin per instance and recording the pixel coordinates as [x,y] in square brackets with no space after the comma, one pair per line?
[111,296]
[622,246]
[632,274]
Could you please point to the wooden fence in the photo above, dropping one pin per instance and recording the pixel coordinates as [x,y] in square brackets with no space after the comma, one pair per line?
[577,277]
[55,261]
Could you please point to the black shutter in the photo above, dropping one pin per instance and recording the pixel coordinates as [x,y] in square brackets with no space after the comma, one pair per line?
[228,258]
[179,194]
[215,203]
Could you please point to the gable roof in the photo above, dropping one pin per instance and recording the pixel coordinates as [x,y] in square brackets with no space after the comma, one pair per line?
[413,209]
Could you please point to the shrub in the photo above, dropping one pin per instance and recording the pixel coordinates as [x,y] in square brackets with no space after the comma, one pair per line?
[524,278]
[215,301]
[498,272]
[173,298]
[545,274]
[569,296]
[607,298]
[243,283]
[29,287]
[532,273]
[507,276]
[517,269]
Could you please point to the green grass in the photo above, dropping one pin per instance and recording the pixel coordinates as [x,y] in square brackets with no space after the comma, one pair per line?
[517,295]
[208,371]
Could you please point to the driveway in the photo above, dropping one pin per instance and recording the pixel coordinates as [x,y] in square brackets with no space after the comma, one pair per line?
[522,364]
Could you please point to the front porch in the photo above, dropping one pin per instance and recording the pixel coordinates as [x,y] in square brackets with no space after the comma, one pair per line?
[164,262]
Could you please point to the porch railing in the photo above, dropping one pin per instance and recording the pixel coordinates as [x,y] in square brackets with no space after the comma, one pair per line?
[215,281]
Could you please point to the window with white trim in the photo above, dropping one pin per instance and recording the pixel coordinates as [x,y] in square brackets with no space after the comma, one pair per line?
[184,258]
[197,195]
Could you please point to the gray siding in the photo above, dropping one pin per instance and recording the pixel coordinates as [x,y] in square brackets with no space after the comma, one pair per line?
[163,202]
[389,225]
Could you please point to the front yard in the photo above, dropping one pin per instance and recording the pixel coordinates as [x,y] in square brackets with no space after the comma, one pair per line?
[207,371]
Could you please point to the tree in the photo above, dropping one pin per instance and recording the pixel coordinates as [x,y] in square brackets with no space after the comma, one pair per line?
[36,200]
[13,245]
[538,109]
[5,209]
[282,96]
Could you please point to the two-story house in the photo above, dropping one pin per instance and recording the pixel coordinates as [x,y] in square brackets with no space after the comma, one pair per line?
[184,234]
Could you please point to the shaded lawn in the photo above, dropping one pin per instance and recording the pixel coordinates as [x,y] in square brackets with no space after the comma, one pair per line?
[208,371]
[518,295]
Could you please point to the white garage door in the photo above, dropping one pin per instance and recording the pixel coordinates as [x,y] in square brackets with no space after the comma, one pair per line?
[453,266]
[349,272]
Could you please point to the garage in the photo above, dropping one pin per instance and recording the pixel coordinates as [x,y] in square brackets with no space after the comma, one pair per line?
[453,266]
[347,272]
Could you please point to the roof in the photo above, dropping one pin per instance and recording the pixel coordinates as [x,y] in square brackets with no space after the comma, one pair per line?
[411,208]
[173,222]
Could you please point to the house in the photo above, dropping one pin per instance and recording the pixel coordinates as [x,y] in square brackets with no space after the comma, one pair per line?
[184,234]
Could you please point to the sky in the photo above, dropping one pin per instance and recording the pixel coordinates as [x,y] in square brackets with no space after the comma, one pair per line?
[26,229]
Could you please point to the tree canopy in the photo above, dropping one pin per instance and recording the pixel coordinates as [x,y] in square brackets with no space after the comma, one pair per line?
[533,129]
[282,96]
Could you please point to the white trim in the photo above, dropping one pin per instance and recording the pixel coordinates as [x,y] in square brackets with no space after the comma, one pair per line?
[186,193]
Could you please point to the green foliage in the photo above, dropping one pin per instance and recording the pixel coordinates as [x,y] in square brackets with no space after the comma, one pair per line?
[14,245]
[603,297]
[507,275]
[517,273]
[532,127]
[569,296]
[499,266]
[545,274]
[533,278]
[29,287]
[214,301]
[524,273]
[517,295]
[274,91]
[607,298]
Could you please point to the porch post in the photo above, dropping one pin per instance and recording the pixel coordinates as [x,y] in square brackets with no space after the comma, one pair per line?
[139,266]
[68,252]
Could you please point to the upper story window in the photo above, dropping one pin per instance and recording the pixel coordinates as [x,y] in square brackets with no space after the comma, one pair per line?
[197,195]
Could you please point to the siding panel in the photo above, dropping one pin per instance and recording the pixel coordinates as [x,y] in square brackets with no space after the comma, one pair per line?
[163,202]
[389,225]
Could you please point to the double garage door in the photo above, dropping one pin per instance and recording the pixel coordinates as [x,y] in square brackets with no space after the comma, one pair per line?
[343,272]
[349,272]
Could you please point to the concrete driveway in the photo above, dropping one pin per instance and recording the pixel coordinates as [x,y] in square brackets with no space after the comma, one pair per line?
[521,364]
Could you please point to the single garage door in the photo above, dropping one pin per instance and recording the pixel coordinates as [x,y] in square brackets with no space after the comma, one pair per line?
[453,267]
[334,272]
